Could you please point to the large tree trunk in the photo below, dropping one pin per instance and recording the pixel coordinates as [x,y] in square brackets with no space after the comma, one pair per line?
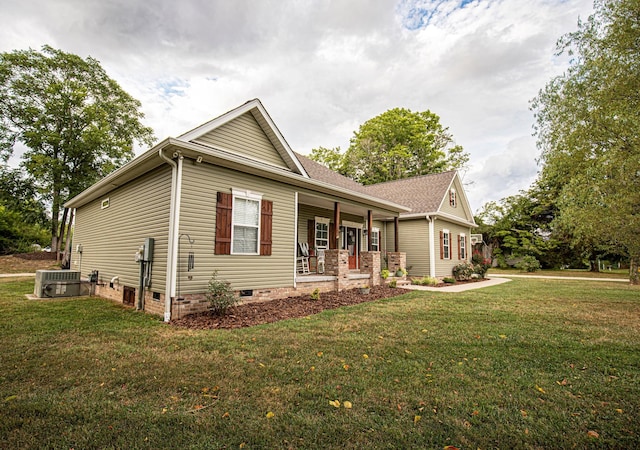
[63,227]
[634,276]
[66,258]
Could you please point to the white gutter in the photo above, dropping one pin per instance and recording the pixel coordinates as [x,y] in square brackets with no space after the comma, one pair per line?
[432,247]
[295,240]
[170,253]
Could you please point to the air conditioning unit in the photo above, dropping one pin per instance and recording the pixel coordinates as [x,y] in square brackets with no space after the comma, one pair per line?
[57,283]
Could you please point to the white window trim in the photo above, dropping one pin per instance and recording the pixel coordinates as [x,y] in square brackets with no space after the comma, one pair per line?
[325,221]
[346,223]
[246,194]
[453,198]
[446,235]
[377,231]
[463,240]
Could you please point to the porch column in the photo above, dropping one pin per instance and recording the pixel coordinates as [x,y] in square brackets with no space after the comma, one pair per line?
[333,245]
[370,264]
[369,227]
[396,225]
[337,264]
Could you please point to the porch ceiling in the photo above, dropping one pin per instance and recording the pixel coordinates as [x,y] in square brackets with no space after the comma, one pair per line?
[345,207]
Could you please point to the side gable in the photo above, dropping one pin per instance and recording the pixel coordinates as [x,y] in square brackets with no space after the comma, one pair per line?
[245,137]
[460,206]
[248,131]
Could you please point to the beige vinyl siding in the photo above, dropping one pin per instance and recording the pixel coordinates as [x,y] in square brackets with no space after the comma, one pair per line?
[244,136]
[201,182]
[459,210]
[111,236]
[444,266]
[414,241]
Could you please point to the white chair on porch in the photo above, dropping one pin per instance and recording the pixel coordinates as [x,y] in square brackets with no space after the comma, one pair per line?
[320,260]
[303,259]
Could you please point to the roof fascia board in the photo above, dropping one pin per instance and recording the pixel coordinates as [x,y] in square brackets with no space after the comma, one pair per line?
[229,160]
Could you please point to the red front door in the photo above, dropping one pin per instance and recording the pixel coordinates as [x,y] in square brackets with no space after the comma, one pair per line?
[351,243]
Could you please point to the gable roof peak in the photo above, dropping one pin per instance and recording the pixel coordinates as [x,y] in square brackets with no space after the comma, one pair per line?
[264,120]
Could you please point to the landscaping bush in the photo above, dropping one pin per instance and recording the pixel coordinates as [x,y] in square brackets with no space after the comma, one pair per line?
[449,280]
[529,264]
[463,271]
[425,281]
[220,295]
[480,265]
[384,274]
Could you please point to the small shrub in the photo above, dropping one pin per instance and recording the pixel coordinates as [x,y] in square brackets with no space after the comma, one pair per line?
[393,283]
[449,280]
[529,264]
[463,271]
[425,281]
[220,295]
[315,295]
[384,274]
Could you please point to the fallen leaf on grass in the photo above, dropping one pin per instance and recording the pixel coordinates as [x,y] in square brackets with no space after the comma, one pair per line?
[524,413]
[540,389]
[347,405]
[562,383]
[503,336]
[365,356]
[619,411]
[270,415]
[11,398]
[335,403]
[225,415]
[416,419]
[319,354]
[451,447]
[593,434]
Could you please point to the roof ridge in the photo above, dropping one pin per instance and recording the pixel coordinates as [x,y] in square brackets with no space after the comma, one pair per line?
[426,175]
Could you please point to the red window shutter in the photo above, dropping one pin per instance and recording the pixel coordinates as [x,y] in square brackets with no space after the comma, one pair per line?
[224,204]
[266,227]
[311,233]
[441,245]
[459,247]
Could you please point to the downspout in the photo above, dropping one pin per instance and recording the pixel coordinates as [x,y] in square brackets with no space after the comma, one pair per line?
[295,241]
[169,292]
[432,249]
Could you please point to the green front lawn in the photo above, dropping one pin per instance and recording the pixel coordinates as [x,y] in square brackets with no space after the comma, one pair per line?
[526,364]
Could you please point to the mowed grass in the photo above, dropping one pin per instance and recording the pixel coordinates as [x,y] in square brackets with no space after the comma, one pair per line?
[526,364]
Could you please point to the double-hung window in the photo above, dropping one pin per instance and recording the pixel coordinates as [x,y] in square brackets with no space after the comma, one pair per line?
[446,244]
[322,233]
[246,222]
[463,247]
[375,239]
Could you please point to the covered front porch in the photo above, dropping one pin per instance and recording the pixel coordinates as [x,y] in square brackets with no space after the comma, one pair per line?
[342,245]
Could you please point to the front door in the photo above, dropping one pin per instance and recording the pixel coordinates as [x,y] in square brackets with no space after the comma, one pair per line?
[351,242]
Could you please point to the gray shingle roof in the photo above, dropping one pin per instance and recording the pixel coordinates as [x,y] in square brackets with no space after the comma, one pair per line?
[423,194]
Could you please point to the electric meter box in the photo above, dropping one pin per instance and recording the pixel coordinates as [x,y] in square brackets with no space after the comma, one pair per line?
[148,249]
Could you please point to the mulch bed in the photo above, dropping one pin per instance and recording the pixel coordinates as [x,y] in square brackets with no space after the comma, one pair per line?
[251,314]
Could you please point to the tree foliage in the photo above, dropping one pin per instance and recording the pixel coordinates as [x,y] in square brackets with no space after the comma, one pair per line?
[396,144]
[76,123]
[588,128]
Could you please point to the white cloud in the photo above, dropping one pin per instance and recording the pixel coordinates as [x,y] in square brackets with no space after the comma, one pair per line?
[323,68]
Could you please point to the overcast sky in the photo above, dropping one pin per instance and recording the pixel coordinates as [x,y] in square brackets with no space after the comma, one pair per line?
[322,68]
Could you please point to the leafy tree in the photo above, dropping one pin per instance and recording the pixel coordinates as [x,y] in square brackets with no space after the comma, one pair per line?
[76,122]
[329,157]
[396,144]
[20,195]
[588,129]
